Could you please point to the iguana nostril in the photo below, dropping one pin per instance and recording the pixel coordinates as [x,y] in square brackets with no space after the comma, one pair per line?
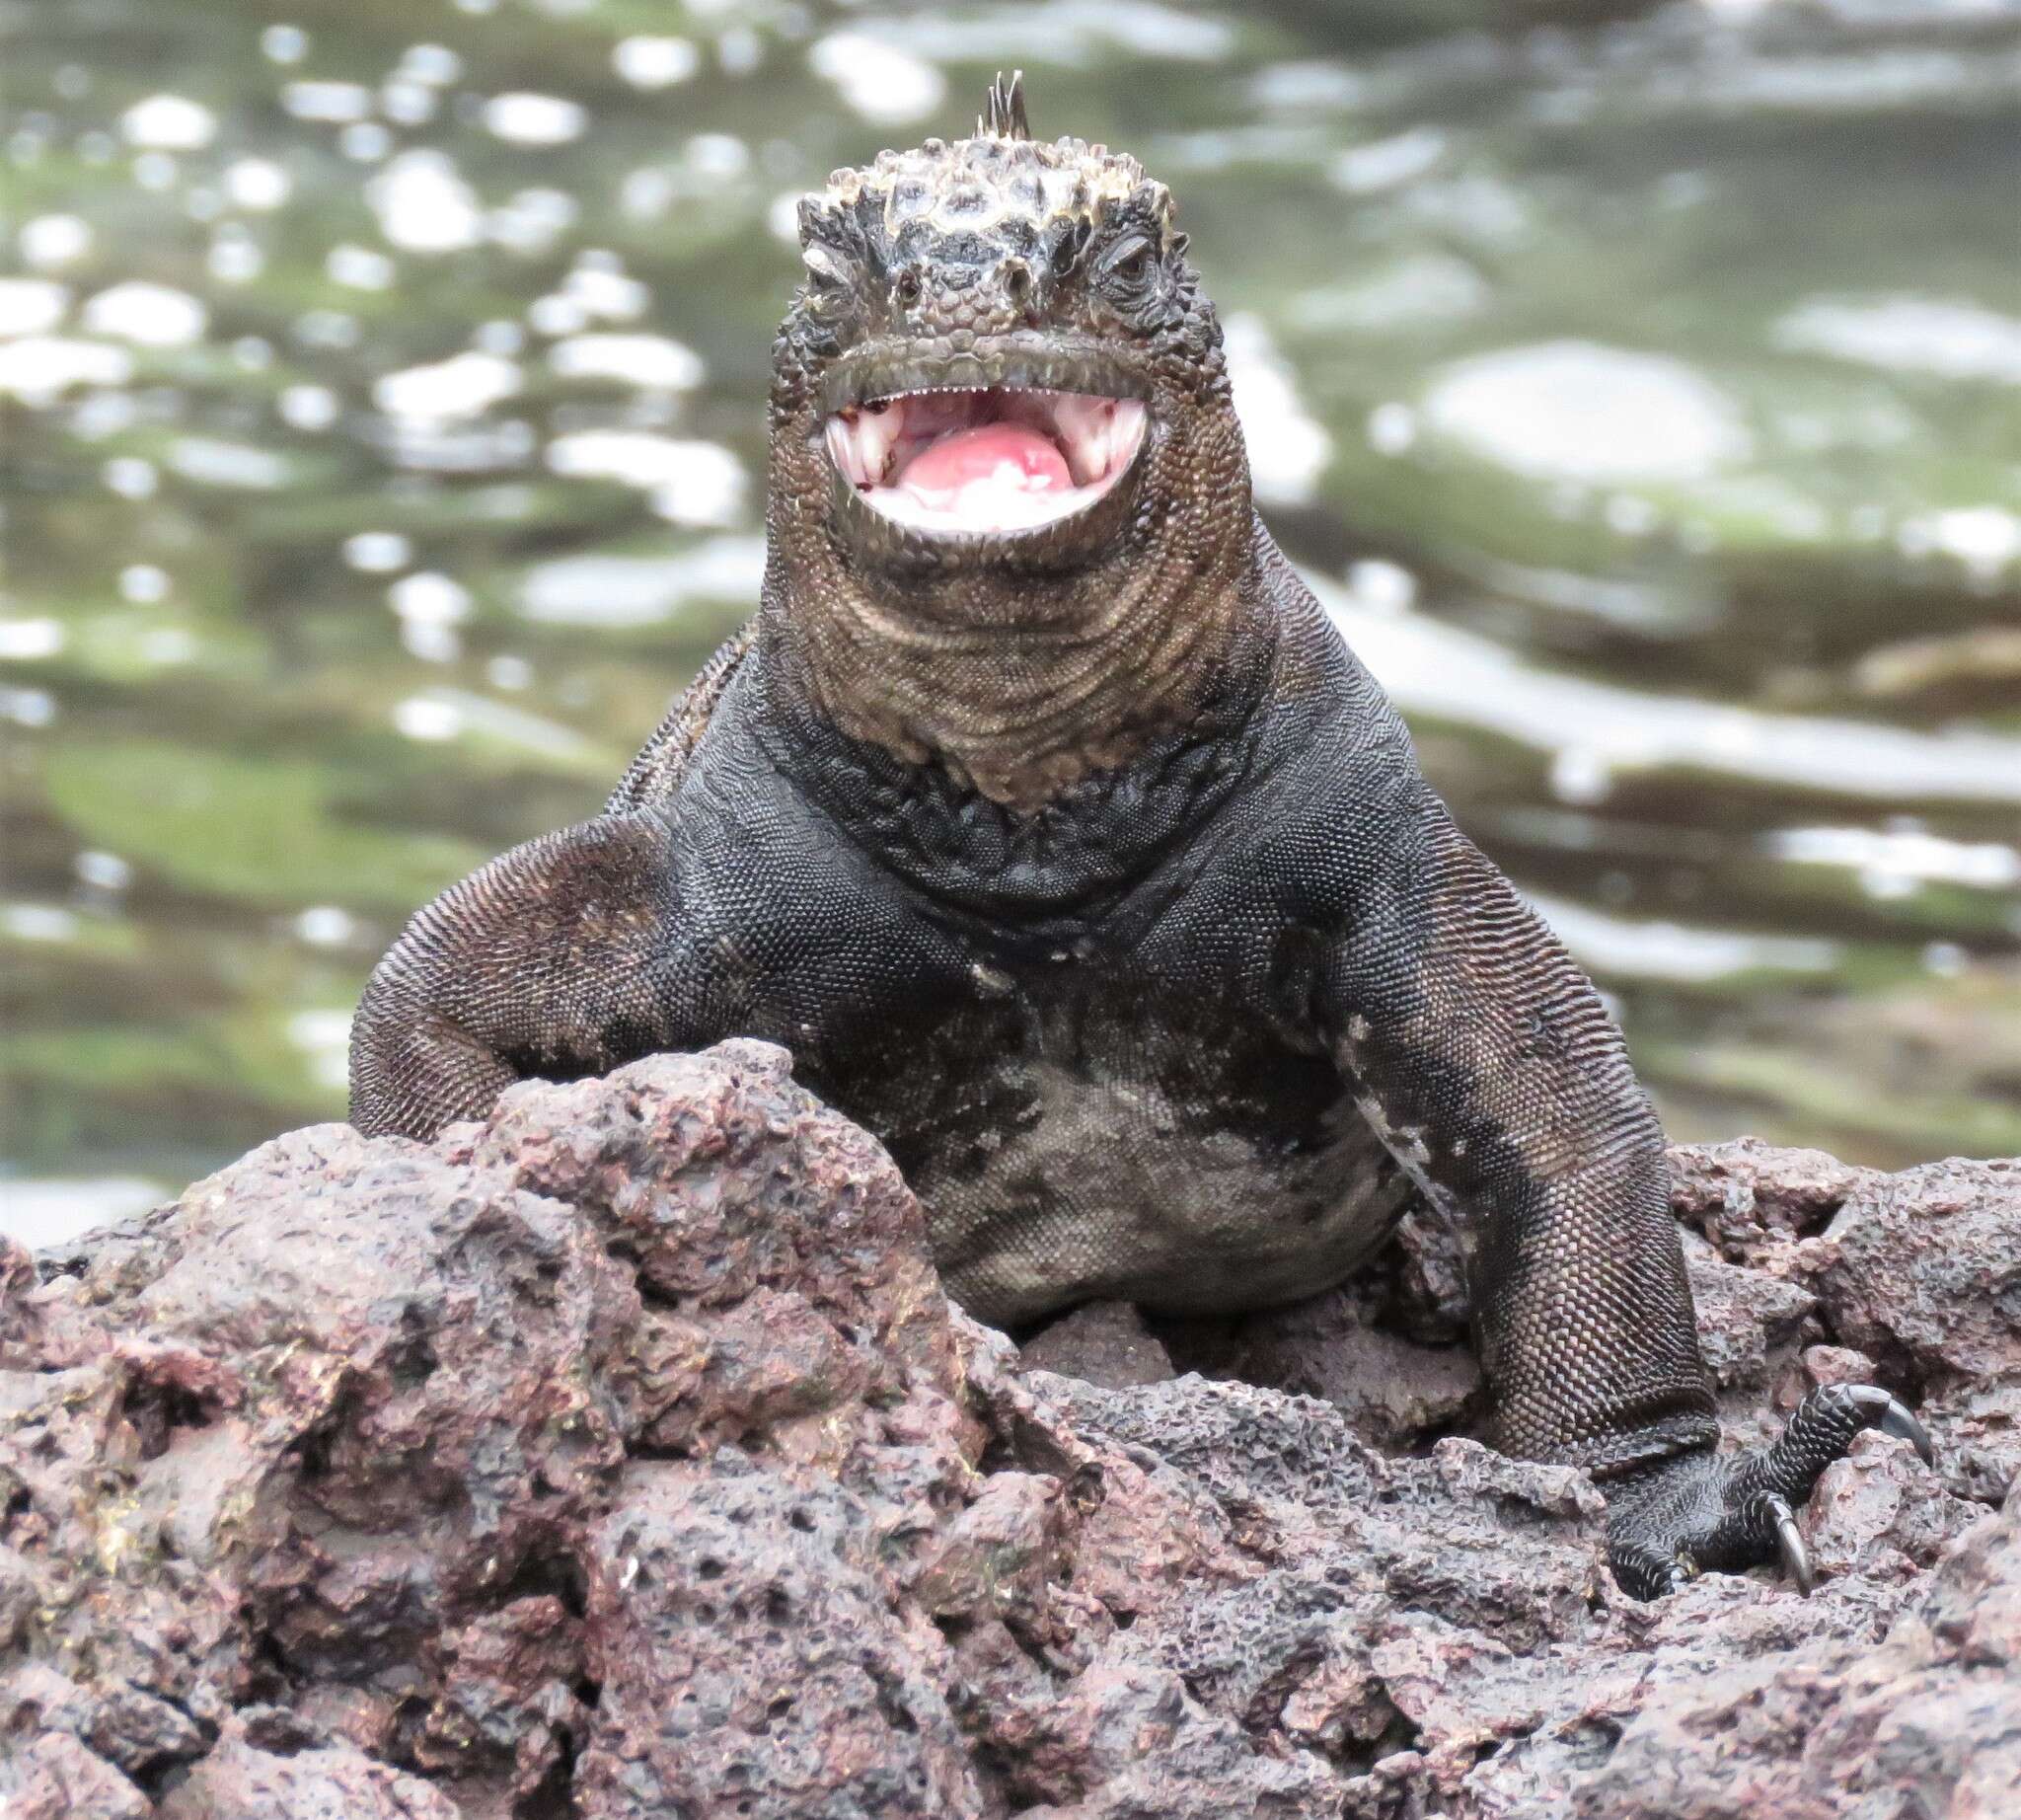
[907,288]
[1018,282]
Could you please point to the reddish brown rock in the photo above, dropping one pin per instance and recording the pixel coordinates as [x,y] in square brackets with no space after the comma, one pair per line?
[1746,1193]
[1104,1342]
[237,1780]
[1881,1512]
[1927,1722]
[1923,1270]
[750,1660]
[621,1456]
[1350,1348]
[1920,1272]
[56,1777]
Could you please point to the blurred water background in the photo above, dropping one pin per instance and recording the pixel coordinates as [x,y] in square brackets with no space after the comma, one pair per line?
[381,426]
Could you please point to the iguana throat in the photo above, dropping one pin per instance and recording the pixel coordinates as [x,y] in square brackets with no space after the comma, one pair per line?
[1009,521]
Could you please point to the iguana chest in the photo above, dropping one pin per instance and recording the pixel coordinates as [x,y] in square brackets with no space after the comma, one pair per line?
[1117,1135]
[1088,1042]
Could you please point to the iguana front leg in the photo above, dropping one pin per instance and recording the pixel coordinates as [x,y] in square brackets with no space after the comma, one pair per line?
[545,963]
[1486,1062]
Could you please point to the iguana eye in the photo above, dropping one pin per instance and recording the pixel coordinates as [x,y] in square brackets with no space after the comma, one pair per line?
[1131,274]
[1128,264]
[828,271]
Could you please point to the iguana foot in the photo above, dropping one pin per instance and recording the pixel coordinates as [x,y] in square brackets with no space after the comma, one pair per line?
[1700,1512]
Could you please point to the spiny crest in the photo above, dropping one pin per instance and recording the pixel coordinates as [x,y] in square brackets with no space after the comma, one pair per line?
[1000,179]
[1004,115]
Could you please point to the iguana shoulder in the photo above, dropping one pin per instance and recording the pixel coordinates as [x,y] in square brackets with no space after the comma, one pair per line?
[654,776]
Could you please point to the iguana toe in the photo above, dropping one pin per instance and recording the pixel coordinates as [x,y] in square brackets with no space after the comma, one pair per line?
[1703,1512]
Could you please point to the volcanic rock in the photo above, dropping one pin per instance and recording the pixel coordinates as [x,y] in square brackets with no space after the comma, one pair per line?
[621,1456]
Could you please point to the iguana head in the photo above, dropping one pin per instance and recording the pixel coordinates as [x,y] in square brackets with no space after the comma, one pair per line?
[999,403]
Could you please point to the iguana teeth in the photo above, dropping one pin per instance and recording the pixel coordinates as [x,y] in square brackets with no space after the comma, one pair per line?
[874,444]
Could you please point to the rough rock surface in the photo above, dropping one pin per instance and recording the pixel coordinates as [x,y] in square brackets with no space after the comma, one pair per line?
[621,1456]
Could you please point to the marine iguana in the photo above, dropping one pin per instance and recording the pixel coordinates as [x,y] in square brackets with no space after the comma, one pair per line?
[1044,816]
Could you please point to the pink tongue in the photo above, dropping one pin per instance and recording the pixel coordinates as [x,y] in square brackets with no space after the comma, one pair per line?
[976,454]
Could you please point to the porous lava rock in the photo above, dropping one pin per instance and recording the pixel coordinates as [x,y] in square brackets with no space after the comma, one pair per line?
[621,1456]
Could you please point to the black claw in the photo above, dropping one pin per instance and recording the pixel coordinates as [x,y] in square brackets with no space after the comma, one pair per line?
[1896,1418]
[1796,1559]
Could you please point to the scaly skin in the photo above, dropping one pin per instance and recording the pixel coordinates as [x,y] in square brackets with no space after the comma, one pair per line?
[1088,869]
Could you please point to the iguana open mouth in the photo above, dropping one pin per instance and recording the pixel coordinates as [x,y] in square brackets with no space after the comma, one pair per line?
[984,461]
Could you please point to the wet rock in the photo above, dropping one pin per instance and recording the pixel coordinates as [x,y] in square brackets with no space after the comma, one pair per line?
[619,1456]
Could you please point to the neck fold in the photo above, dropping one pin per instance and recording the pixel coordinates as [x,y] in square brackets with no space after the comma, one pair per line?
[1068,679]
